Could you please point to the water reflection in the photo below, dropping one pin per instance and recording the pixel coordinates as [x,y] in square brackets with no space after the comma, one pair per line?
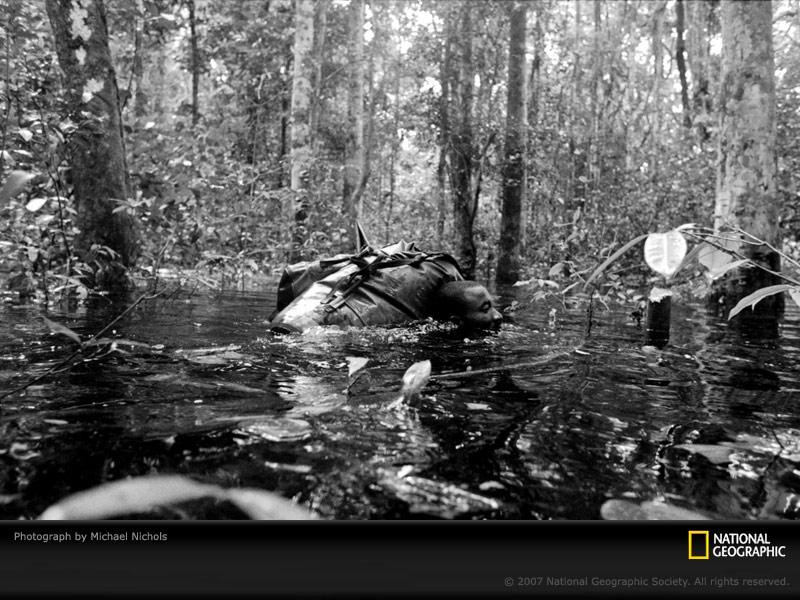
[535,421]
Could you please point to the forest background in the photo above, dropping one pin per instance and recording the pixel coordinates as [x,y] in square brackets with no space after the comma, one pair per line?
[255,133]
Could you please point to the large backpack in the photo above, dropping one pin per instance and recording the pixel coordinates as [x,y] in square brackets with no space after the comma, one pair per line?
[392,285]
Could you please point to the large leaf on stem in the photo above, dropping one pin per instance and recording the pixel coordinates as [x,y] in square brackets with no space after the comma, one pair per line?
[596,273]
[752,299]
[60,329]
[664,252]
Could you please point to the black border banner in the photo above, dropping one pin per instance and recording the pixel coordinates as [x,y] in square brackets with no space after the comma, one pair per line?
[404,558]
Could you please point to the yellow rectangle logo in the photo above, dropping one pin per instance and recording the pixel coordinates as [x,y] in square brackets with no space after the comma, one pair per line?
[693,542]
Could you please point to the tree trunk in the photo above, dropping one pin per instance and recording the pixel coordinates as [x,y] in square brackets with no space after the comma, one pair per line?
[699,14]
[508,262]
[657,41]
[97,152]
[354,144]
[680,58]
[444,129]
[320,34]
[195,61]
[300,131]
[137,71]
[746,195]
[461,144]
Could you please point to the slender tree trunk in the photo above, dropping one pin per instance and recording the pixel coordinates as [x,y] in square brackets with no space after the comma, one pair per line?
[508,262]
[195,61]
[96,152]
[317,85]
[461,146]
[444,129]
[577,158]
[699,14]
[680,58]
[354,145]
[593,158]
[746,194]
[300,133]
[658,80]
[137,71]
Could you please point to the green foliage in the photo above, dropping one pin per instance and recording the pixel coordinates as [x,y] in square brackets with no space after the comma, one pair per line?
[608,157]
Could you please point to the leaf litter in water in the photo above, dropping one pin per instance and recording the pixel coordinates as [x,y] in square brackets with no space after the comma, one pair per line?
[718,455]
[141,494]
[280,429]
[431,497]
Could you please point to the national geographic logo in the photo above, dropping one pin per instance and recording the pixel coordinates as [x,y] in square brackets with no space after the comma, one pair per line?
[703,545]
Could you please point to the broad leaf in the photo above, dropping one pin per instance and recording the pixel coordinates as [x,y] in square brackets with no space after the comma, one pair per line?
[35,204]
[15,183]
[663,252]
[717,273]
[261,505]
[612,258]
[624,510]
[135,495]
[141,494]
[355,364]
[415,378]
[794,293]
[752,299]
[60,329]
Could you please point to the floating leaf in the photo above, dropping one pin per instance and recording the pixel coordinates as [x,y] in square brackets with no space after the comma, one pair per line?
[15,183]
[436,498]
[624,510]
[139,494]
[281,429]
[60,329]
[355,364]
[261,505]
[664,252]
[415,378]
[718,455]
[752,299]
[142,494]
[358,379]
[25,134]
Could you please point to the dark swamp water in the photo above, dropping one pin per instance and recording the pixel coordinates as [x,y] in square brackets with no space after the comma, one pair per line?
[549,425]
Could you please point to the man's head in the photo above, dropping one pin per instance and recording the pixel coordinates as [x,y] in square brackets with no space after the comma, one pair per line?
[469,302]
